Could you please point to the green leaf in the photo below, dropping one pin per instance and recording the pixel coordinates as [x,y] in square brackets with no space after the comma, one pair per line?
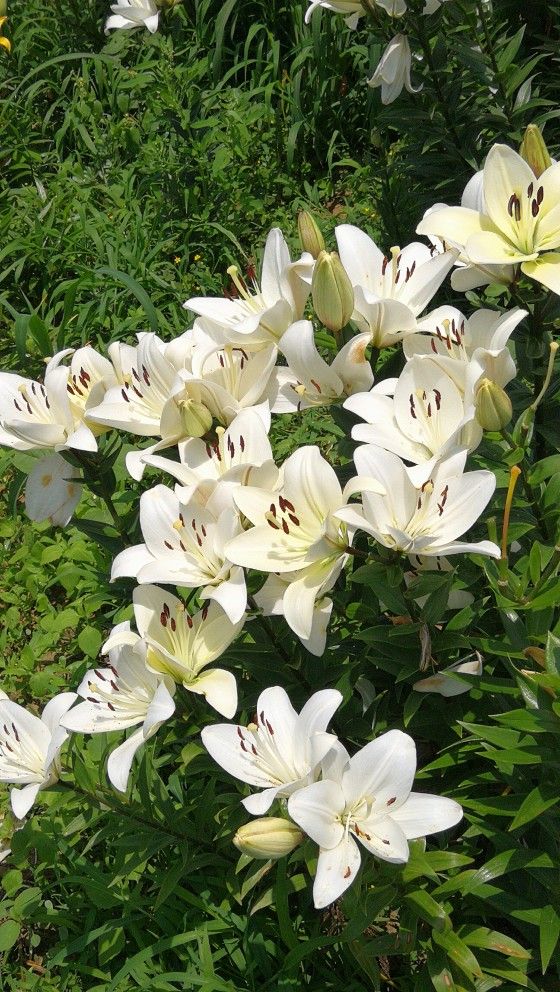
[538,800]
[9,933]
[457,951]
[493,940]
[89,641]
[425,906]
[439,971]
[549,931]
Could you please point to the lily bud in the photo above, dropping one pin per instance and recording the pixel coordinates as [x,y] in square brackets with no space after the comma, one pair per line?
[3,8]
[331,289]
[493,406]
[309,233]
[534,151]
[196,418]
[268,837]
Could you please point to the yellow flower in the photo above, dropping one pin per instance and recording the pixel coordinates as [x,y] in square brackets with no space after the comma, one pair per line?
[4,42]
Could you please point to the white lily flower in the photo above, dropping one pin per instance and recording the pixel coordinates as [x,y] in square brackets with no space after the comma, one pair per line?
[520,224]
[185,545]
[425,418]
[281,751]
[240,455]
[30,748]
[367,797]
[389,294]
[54,414]
[147,374]
[223,382]
[393,72]
[131,14]
[52,491]
[309,381]
[260,315]
[270,599]
[353,10]
[467,350]
[295,531]
[121,696]
[181,646]
[445,684]
[420,517]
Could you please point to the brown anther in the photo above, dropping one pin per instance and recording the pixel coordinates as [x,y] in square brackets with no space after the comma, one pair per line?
[540,195]
[391,801]
[347,872]
[241,443]
[285,527]
[124,396]
[384,265]
[294,519]
[168,545]
[316,384]
[173,624]
[437,397]
[163,619]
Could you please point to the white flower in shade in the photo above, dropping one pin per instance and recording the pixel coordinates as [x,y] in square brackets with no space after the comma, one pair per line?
[30,748]
[393,72]
[445,684]
[389,293]
[467,350]
[130,14]
[520,224]
[420,517]
[281,751]
[181,645]
[353,10]
[52,491]
[295,533]
[55,414]
[147,375]
[431,6]
[239,455]
[261,313]
[367,797]
[185,545]
[123,695]
[270,599]
[223,382]
[425,418]
[452,340]
[308,380]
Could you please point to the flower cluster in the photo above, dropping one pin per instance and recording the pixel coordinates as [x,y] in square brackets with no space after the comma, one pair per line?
[207,399]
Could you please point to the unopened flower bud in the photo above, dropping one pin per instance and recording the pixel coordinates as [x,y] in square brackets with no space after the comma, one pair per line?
[3,8]
[268,837]
[333,296]
[197,419]
[309,233]
[493,406]
[534,151]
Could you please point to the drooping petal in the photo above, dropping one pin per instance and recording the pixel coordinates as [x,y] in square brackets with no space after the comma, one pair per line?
[120,760]
[22,799]
[219,688]
[336,870]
